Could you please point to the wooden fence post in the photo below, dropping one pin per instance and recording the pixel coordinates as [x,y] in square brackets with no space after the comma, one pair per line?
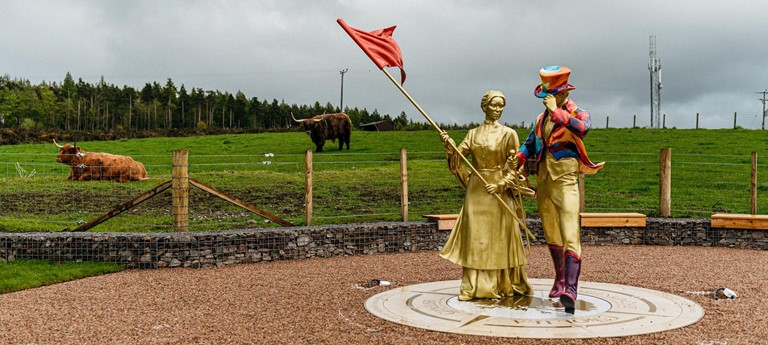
[734,120]
[665,181]
[664,121]
[634,121]
[582,203]
[180,190]
[308,189]
[606,121]
[697,120]
[404,184]
[753,185]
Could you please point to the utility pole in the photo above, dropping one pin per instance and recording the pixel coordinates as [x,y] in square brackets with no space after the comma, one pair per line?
[654,67]
[341,103]
[764,92]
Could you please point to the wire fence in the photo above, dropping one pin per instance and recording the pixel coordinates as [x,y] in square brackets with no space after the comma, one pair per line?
[35,194]
[743,119]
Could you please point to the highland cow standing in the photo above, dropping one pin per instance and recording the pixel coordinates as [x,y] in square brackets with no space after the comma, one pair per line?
[327,126]
[98,165]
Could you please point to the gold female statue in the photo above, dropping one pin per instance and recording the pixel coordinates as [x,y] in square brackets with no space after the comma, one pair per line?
[486,240]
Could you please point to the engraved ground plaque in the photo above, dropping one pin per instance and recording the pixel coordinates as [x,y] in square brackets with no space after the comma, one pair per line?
[602,310]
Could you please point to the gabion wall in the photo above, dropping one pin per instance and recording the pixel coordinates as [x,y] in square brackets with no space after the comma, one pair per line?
[208,249]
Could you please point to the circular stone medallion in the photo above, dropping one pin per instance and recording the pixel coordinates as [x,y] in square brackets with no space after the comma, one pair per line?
[602,310]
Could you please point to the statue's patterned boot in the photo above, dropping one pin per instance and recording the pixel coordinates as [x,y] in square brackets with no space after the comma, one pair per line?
[557,258]
[572,272]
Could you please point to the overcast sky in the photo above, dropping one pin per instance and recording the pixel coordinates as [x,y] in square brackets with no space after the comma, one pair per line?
[714,53]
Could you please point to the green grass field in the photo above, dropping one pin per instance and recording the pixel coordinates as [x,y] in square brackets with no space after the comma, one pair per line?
[24,274]
[710,174]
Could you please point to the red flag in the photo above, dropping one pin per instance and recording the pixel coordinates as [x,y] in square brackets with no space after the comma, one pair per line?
[379,46]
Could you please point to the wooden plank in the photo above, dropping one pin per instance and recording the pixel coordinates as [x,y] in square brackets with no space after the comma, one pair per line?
[308,188]
[613,220]
[740,221]
[239,202]
[612,215]
[180,191]
[125,206]
[753,186]
[444,221]
[665,181]
[403,185]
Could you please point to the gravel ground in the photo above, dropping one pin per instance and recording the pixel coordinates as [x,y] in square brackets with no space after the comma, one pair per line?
[320,301]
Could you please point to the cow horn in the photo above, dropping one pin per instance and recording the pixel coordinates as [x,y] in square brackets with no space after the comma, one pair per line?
[57,144]
[294,119]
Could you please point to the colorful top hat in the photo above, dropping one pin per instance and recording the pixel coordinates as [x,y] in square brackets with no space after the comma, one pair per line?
[554,79]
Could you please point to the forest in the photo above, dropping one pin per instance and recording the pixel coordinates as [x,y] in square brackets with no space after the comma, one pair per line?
[80,106]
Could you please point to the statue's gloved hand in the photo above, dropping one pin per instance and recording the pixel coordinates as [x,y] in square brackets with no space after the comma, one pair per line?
[550,103]
[495,188]
[513,161]
[447,141]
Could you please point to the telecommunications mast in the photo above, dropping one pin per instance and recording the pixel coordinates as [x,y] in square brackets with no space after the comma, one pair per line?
[654,66]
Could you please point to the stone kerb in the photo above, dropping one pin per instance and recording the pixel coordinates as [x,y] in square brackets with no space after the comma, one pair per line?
[209,249]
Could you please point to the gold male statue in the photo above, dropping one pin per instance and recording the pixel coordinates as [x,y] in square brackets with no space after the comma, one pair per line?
[555,153]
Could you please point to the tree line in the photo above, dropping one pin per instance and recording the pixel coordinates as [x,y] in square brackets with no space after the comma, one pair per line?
[81,106]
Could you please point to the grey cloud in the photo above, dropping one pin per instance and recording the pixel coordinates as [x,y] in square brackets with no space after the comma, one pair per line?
[713,61]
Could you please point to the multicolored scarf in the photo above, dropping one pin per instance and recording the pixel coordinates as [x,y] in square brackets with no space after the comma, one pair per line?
[564,141]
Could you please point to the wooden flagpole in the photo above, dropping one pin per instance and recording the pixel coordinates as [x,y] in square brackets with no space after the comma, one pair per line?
[453,146]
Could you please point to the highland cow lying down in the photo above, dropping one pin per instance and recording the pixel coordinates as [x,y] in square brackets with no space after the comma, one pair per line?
[99,166]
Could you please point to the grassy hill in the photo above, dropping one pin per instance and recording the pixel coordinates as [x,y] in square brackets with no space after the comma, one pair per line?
[710,173]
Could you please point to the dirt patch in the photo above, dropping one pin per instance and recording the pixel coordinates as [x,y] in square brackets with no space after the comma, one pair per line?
[320,301]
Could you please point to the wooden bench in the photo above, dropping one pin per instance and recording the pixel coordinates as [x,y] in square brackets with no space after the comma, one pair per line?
[613,220]
[444,221]
[740,221]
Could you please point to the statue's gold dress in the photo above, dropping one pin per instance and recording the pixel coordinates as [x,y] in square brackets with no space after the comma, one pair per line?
[486,240]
